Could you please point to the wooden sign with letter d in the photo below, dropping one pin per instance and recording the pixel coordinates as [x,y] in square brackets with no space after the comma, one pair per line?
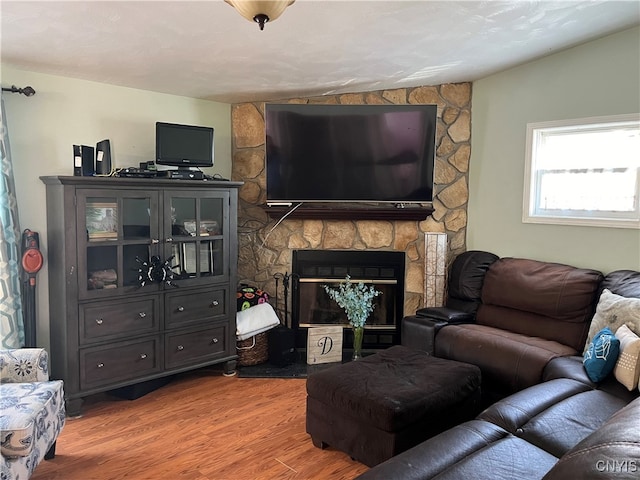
[324,345]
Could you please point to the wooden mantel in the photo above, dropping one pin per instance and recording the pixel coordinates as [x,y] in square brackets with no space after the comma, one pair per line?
[339,211]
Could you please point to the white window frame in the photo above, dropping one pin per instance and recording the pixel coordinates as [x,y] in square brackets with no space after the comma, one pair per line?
[534,213]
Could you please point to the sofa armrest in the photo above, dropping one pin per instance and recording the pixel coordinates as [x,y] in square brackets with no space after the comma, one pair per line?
[24,365]
[420,332]
[446,314]
[572,367]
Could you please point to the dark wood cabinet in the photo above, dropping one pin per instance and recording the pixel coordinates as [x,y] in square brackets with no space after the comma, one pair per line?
[142,279]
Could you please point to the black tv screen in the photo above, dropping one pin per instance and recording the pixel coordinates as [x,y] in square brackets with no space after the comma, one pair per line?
[184,145]
[350,153]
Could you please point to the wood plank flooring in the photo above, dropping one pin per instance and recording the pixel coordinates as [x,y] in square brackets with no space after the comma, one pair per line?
[201,426]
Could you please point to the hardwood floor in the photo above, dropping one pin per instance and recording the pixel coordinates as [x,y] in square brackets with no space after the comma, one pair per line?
[201,426]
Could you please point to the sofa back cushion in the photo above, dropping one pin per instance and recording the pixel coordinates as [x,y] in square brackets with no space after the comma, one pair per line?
[466,278]
[625,283]
[542,299]
[464,289]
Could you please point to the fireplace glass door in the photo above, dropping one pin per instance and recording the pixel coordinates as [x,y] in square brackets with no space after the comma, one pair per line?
[318,309]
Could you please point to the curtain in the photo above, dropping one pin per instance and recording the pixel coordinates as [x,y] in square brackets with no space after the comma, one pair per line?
[11,320]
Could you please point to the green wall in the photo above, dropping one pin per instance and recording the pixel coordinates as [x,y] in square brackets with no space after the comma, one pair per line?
[597,78]
[67,111]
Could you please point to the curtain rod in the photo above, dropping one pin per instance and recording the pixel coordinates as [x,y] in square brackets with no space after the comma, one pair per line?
[27,91]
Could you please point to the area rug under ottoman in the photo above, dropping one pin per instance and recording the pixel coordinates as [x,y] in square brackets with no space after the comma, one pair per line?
[383,404]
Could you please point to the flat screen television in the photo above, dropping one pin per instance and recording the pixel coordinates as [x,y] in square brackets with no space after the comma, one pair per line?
[184,146]
[350,153]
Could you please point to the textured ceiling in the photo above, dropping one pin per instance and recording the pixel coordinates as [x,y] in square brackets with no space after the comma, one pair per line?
[205,49]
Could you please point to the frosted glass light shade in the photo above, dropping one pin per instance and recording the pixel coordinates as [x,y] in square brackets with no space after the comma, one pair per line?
[260,11]
[435,268]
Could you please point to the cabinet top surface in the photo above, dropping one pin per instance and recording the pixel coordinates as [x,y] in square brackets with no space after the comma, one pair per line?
[143,182]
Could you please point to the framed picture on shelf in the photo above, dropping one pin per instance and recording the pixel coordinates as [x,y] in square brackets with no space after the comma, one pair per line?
[190,227]
[207,227]
[102,220]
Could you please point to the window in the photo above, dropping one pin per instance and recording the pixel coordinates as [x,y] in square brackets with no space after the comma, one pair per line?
[583,172]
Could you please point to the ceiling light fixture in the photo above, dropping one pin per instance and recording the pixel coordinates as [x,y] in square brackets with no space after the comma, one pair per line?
[259,11]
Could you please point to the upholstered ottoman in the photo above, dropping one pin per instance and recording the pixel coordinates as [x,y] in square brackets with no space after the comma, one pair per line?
[377,407]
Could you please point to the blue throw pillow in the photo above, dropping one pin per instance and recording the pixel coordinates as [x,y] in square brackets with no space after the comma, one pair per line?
[601,355]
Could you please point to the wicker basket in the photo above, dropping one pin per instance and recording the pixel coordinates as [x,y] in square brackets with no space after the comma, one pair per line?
[253,351]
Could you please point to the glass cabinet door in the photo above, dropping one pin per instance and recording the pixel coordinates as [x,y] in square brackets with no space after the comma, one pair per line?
[118,233]
[198,224]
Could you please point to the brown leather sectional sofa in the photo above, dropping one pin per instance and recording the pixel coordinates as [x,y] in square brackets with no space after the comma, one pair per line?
[525,326]
[563,428]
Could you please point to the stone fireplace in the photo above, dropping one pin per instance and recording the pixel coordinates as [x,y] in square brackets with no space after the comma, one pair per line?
[266,245]
[312,307]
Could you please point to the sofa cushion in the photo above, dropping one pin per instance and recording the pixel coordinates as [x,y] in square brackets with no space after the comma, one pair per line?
[572,367]
[622,282]
[612,451]
[474,449]
[32,415]
[505,358]
[627,367]
[613,311]
[519,408]
[543,299]
[554,415]
[601,355]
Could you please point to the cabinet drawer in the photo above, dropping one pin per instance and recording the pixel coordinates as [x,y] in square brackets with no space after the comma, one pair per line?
[196,346]
[105,320]
[121,361]
[194,307]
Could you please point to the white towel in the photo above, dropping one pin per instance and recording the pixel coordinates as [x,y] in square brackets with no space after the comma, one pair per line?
[255,320]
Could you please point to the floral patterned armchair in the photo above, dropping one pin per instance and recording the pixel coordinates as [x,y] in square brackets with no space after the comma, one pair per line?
[32,411]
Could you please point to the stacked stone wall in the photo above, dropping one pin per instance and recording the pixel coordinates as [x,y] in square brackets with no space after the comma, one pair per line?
[265,249]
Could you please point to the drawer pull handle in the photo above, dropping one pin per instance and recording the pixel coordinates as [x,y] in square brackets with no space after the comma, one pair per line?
[180,348]
[99,321]
[181,308]
[169,240]
[100,365]
[142,314]
[143,356]
[213,340]
[215,303]
[154,241]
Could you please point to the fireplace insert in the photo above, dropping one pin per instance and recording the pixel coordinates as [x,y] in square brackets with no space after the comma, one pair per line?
[312,307]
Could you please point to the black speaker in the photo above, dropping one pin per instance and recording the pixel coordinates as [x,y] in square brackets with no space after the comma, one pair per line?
[103,158]
[83,161]
[77,161]
[282,346]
